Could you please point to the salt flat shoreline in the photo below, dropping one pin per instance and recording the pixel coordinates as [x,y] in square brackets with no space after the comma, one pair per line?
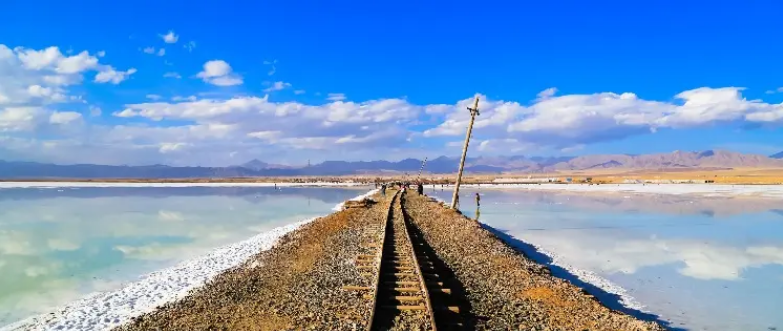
[714,190]
[707,190]
[56,184]
[107,310]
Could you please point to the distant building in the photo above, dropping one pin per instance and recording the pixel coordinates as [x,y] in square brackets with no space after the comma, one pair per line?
[676,181]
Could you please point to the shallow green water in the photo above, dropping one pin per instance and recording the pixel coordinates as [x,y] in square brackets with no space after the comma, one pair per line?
[56,245]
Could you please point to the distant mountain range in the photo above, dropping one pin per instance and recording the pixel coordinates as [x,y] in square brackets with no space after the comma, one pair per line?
[677,160]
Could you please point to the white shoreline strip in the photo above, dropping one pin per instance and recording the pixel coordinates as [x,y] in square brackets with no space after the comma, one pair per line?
[124,184]
[592,278]
[768,191]
[340,205]
[106,310]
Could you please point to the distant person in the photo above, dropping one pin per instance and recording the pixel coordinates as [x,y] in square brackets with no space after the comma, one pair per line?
[383,190]
[420,188]
[478,200]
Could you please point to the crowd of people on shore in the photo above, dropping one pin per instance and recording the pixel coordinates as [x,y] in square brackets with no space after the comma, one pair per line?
[399,185]
[403,186]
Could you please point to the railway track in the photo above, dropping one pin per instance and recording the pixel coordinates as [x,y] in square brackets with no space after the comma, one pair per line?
[407,291]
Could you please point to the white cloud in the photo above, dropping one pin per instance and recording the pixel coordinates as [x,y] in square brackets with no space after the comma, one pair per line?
[51,58]
[190,46]
[563,123]
[277,86]
[255,122]
[109,75]
[265,135]
[181,98]
[153,96]
[546,94]
[569,120]
[95,111]
[299,92]
[62,80]
[151,50]
[336,97]
[572,149]
[15,119]
[77,63]
[33,84]
[172,147]
[273,67]
[170,37]
[37,60]
[502,146]
[172,75]
[49,94]
[64,117]
[219,72]
[33,81]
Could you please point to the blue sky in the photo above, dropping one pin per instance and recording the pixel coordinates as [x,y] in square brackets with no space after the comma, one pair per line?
[291,81]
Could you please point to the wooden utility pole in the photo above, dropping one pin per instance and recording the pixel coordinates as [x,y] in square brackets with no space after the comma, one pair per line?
[418,178]
[473,113]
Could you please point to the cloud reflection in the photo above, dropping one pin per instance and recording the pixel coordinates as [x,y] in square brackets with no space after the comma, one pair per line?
[613,252]
[615,233]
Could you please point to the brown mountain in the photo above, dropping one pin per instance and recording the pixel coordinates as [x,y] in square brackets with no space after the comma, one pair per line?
[676,159]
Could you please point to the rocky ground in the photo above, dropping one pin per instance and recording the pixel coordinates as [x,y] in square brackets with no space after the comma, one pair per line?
[297,285]
[506,290]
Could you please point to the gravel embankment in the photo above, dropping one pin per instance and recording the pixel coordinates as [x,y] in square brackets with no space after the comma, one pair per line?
[297,285]
[506,290]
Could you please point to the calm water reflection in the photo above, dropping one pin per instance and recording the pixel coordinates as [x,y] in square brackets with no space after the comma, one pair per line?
[56,245]
[699,263]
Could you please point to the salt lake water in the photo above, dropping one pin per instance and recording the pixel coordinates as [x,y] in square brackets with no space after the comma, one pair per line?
[694,263]
[59,244]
